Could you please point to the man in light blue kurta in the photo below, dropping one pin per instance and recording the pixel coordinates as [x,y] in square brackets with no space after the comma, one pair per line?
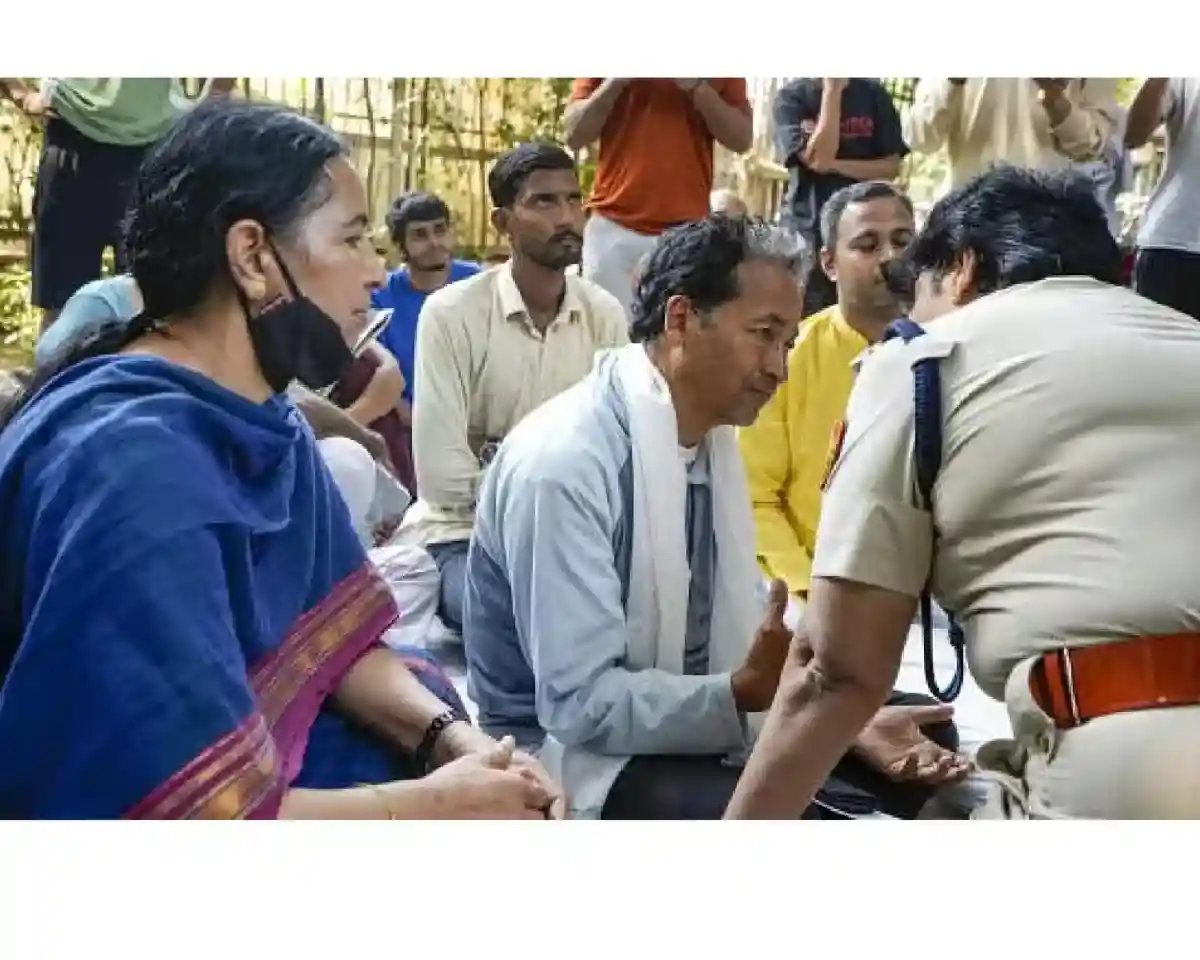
[554,519]
[547,626]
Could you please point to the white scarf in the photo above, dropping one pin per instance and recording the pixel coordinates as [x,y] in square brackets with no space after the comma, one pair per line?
[660,576]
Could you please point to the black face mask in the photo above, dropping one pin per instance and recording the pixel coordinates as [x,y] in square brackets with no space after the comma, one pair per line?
[297,340]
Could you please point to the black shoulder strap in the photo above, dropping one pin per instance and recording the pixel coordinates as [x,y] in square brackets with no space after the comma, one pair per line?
[927,461]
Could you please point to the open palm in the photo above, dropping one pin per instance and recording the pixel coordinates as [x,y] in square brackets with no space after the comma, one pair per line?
[894,744]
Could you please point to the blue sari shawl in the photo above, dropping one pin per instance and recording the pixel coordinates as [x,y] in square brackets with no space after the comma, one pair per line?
[180,591]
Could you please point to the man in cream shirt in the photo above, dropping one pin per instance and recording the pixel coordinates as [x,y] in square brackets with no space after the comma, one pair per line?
[1062,531]
[1043,123]
[495,346]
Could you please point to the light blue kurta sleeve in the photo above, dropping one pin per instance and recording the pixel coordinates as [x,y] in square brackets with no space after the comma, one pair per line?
[567,604]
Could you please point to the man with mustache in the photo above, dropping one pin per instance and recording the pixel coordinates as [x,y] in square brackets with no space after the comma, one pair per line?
[787,448]
[493,347]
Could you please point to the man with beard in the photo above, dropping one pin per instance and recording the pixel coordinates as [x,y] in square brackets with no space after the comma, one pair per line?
[787,449]
[378,390]
[421,230]
[493,347]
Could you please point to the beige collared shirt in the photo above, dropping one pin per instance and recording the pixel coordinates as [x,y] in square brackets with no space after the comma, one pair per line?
[481,366]
[992,120]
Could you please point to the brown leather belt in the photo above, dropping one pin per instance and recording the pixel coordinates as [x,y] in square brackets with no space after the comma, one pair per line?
[1076,685]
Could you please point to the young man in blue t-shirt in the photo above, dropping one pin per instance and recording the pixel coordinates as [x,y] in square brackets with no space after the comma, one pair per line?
[419,224]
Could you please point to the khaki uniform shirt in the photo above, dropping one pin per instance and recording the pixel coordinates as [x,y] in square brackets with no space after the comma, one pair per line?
[1066,506]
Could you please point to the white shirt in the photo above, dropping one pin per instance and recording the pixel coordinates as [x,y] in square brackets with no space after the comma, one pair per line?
[1172,217]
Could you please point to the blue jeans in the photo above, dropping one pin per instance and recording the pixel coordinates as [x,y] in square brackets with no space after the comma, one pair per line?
[451,560]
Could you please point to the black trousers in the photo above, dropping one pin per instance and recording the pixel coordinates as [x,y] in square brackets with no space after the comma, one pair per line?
[79,201]
[700,787]
[1169,277]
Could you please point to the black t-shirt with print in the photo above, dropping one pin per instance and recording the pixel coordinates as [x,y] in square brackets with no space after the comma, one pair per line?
[870,131]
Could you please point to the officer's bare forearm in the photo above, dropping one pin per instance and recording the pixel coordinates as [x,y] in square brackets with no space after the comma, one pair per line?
[811,725]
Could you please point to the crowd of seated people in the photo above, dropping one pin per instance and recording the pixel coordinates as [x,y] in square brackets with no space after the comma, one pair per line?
[611,496]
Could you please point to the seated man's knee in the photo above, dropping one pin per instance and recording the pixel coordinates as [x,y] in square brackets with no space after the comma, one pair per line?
[451,560]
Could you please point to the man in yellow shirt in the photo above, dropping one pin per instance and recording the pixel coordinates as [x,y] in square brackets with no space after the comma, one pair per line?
[789,447]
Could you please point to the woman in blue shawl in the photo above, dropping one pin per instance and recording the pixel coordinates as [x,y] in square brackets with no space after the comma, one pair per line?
[189,626]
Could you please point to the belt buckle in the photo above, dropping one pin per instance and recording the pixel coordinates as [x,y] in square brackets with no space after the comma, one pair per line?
[1068,672]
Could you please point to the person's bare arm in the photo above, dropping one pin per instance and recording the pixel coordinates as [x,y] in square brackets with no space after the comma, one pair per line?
[584,119]
[1146,112]
[327,419]
[14,89]
[836,679]
[874,550]
[882,168]
[34,104]
[218,87]
[730,124]
[399,801]
[383,392]
[823,145]
[382,693]
[1080,113]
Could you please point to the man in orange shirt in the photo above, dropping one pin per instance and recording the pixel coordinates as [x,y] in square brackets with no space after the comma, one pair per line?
[655,167]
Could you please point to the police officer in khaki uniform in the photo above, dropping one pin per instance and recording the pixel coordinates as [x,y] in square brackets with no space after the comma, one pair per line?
[1063,530]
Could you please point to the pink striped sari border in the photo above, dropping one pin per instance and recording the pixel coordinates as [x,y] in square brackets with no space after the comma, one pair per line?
[231,780]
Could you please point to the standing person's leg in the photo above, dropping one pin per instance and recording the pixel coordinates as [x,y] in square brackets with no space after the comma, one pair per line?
[1169,277]
[120,170]
[70,218]
[451,560]
[611,255]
